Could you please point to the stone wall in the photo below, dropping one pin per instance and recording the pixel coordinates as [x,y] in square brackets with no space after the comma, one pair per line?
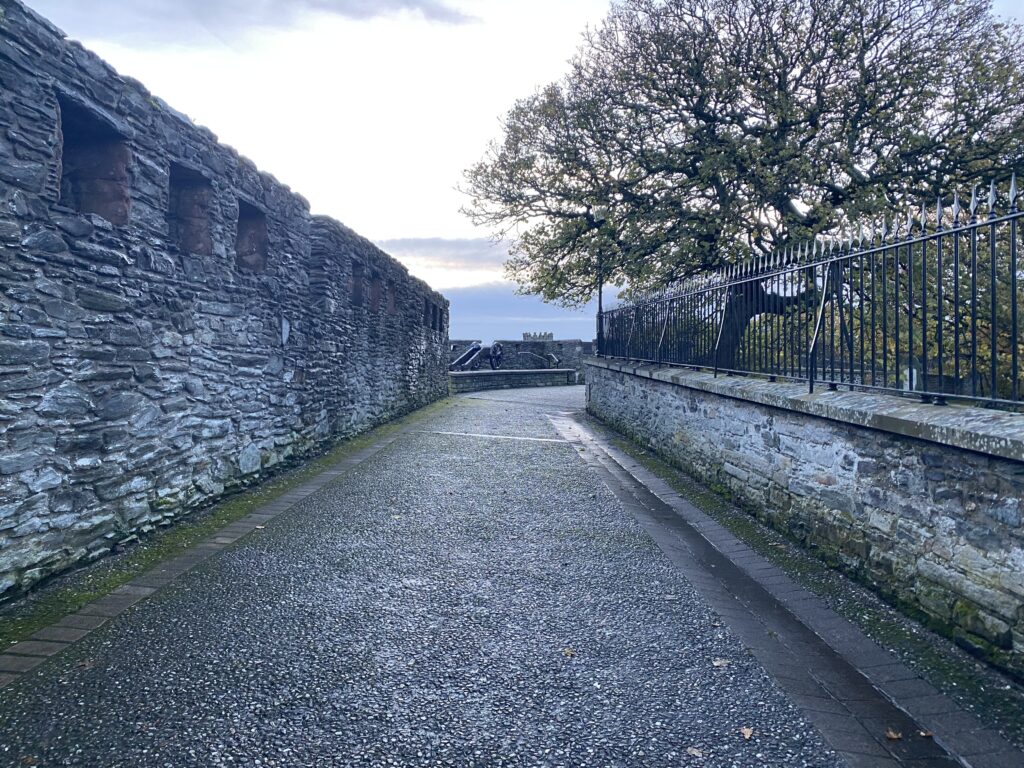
[477,381]
[173,322]
[924,503]
[529,355]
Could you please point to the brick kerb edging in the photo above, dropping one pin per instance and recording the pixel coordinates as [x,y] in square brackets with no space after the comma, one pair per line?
[995,433]
[28,654]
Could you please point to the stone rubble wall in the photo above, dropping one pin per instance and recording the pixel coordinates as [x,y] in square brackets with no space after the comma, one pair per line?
[173,322]
[485,378]
[529,355]
[933,527]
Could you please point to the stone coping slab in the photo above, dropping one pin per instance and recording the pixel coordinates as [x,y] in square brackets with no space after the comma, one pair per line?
[995,433]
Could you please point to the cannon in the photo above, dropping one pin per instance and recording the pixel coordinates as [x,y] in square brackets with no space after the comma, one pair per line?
[475,356]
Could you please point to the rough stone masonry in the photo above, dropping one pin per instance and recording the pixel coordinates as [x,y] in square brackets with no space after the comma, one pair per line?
[923,503]
[173,322]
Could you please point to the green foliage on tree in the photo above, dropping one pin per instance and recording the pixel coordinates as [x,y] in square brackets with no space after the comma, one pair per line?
[693,133]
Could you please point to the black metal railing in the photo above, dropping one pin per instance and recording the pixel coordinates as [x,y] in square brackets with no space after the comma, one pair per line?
[926,306]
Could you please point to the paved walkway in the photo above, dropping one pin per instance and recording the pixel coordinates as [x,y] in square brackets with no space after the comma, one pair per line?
[487,589]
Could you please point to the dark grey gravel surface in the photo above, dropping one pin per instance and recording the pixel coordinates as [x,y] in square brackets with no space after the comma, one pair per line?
[456,600]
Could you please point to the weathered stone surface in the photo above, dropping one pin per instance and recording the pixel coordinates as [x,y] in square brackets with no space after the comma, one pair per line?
[22,352]
[101,301]
[934,526]
[249,459]
[143,373]
[68,401]
[46,241]
[12,463]
[29,176]
[119,406]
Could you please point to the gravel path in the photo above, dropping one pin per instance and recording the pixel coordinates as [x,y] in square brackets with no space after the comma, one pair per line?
[456,600]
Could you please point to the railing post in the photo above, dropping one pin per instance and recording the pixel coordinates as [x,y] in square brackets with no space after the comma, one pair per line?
[664,328]
[600,302]
[813,351]
[721,326]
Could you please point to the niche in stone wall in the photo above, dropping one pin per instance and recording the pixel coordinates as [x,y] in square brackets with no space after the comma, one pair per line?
[426,312]
[94,163]
[376,291]
[251,243]
[188,212]
[356,285]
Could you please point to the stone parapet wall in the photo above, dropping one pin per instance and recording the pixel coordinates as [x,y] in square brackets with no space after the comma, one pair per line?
[173,322]
[519,355]
[924,503]
[531,355]
[476,381]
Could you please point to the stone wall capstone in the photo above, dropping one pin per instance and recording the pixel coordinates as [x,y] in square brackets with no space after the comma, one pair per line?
[933,526]
[173,322]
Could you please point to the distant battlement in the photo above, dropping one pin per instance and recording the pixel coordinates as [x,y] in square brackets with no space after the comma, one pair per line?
[541,336]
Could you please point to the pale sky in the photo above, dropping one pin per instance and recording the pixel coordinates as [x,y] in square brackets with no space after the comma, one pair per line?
[371,109]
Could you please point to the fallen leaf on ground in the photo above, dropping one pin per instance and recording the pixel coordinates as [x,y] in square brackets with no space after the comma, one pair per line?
[694,752]
[747,733]
[892,735]
[568,652]
[260,527]
[721,663]
[925,734]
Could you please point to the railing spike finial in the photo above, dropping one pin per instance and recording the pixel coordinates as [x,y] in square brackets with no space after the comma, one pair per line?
[956,209]
[910,222]
[849,240]
[923,218]
[992,198]
[1013,192]
[938,212]
[884,230]
[974,201]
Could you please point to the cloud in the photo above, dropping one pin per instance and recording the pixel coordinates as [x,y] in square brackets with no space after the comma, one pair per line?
[441,253]
[495,312]
[192,22]
[450,263]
